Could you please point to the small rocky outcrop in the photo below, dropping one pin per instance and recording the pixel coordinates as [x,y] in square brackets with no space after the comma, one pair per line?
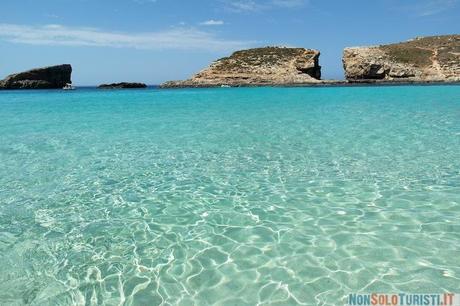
[258,67]
[54,77]
[425,59]
[122,85]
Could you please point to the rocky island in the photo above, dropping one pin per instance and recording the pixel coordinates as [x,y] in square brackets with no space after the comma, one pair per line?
[420,60]
[54,77]
[122,85]
[258,67]
[425,59]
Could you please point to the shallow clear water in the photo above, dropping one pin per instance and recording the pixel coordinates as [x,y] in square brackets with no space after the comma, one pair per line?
[265,196]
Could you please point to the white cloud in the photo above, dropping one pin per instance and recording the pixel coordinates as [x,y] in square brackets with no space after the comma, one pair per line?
[259,5]
[433,7]
[244,6]
[212,22]
[424,8]
[179,38]
[145,1]
[289,3]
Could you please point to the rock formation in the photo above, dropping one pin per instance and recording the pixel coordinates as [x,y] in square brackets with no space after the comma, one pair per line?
[122,85]
[435,58]
[260,66]
[40,78]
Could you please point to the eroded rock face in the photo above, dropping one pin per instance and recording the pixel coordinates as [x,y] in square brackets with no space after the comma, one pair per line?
[122,85]
[53,77]
[435,58]
[260,66]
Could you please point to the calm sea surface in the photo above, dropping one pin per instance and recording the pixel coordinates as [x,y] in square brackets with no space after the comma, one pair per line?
[262,196]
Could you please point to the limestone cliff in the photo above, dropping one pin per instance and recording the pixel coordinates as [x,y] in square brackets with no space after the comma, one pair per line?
[260,66]
[435,58]
[41,78]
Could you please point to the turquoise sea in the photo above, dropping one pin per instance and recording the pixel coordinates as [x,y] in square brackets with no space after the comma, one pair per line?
[255,196]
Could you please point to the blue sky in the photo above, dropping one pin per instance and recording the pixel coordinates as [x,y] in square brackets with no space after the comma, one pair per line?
[153,41]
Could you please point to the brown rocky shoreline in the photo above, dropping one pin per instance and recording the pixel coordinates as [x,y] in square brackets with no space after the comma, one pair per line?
[328,83]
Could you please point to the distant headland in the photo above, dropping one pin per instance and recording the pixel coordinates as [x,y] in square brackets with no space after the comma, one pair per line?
[53,77]
[434,59]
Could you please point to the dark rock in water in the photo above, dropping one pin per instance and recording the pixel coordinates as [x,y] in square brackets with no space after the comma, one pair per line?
[123,85]
[54,77]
